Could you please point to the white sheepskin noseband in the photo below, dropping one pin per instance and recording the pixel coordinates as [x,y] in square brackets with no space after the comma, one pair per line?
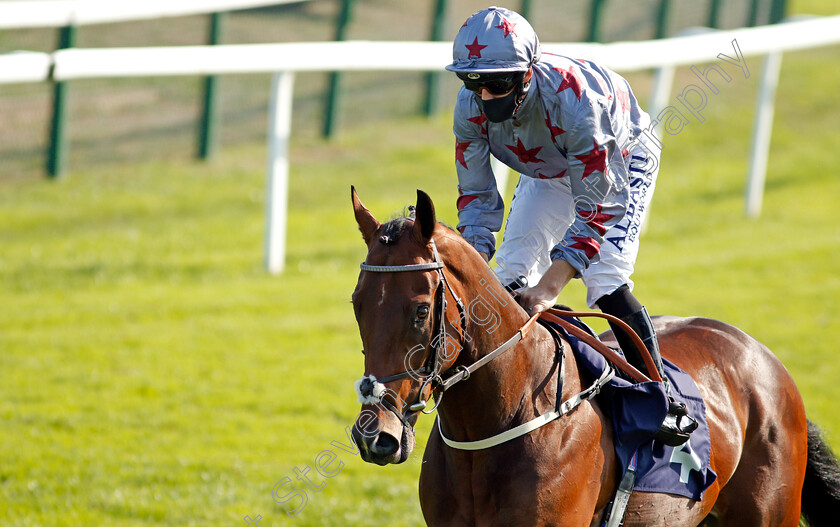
[369,390]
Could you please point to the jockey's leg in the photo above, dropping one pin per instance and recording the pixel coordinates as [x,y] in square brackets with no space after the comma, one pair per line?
[609,285]
[621,303]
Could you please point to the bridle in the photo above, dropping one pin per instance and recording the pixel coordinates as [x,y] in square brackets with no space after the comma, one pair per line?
[429,373]
[429,370]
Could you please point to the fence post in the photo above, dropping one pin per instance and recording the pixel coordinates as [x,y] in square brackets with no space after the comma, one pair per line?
[277,179]
[752,15]
[207,131]
[334,89]
[595,21]
[777,10]
[662,19]
[525,10]
[432,102]
[714,12]
[762,128]
[57,154]
[663,80]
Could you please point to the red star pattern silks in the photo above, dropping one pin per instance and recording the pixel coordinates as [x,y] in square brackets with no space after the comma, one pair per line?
[507,27]
[570,80]
[555,130]
[586,244]
[624,99]
[525,155]
[604,88]
[480,119]
[542,176]
[596,218]
[475,49]
[460,147]
[463,201]
[596,160]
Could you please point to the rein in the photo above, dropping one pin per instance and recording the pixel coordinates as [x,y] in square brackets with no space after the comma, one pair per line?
[560,410]
[555,315]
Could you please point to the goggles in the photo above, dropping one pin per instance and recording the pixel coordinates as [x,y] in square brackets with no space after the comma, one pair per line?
[495,83]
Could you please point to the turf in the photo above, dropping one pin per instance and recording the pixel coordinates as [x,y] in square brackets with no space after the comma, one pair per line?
[151,373]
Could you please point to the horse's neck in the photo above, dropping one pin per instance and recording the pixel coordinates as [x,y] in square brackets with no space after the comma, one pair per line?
[506,388]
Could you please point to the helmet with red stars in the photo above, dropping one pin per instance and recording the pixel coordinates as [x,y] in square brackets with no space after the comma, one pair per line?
[495,40]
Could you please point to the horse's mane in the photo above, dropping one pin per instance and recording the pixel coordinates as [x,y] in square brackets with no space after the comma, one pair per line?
[392,230]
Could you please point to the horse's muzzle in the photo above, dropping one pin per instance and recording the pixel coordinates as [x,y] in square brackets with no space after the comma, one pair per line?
[382,438]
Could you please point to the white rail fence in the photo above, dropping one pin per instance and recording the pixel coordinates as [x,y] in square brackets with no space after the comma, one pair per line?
[61,13]
[286,59]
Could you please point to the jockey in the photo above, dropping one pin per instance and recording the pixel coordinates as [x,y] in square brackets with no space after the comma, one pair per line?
[588,165]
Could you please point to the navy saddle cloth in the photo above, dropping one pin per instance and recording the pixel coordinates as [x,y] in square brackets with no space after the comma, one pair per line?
[637,411]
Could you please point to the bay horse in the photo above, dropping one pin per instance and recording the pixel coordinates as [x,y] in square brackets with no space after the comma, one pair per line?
[429,307]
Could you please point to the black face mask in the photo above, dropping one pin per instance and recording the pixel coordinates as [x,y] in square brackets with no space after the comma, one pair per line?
[501,108]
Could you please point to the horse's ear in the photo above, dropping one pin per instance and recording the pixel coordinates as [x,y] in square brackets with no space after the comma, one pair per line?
[424,215]
[367,223]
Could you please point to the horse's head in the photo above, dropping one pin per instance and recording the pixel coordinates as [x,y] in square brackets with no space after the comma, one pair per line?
[411,321]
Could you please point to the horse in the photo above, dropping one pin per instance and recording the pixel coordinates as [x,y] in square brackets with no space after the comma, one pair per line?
[429,307]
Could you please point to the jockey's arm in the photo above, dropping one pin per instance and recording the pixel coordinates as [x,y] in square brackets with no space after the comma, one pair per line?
[480,206]
[543,295]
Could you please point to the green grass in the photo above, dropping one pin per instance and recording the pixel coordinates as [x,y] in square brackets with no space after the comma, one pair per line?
[152,374]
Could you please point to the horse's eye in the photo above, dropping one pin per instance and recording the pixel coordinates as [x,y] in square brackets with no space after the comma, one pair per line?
[422,312]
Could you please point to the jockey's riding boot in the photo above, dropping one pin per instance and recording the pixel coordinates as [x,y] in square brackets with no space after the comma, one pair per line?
[677,425]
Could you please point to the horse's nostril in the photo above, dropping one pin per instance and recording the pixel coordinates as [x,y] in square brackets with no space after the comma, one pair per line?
[385,445]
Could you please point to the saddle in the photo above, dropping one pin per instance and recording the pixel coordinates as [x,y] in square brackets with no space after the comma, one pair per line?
[634,404]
